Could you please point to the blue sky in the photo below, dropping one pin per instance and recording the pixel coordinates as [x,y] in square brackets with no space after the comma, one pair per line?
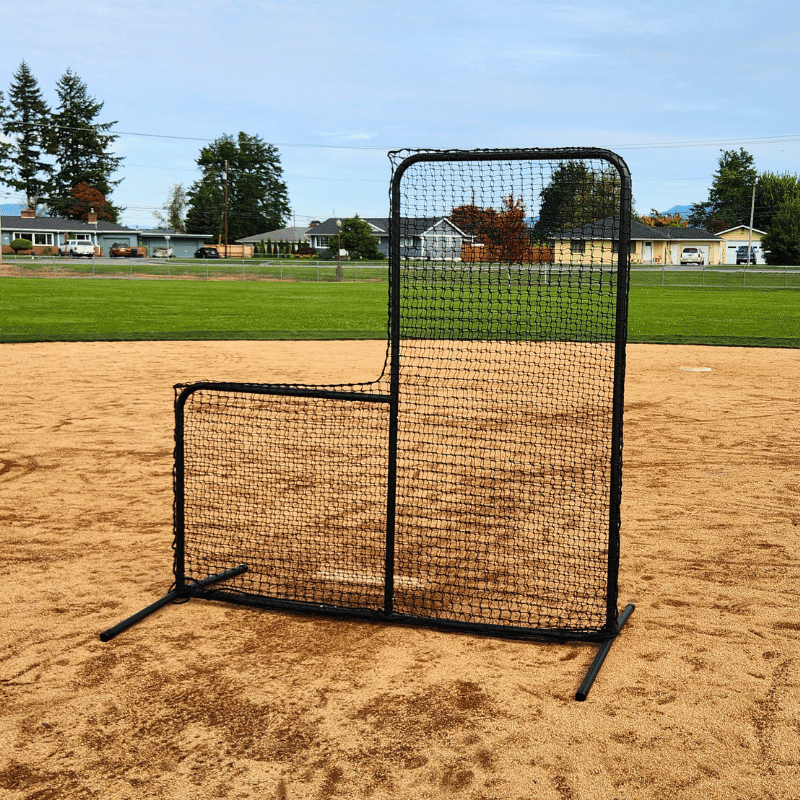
[336,85]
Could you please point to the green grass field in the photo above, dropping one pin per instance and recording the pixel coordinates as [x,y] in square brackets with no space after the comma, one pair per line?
[47,309]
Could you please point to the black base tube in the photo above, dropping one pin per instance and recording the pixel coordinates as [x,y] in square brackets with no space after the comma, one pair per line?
[583,691]
[108,635]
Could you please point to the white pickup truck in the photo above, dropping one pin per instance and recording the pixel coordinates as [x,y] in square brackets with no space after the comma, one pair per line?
[76,248]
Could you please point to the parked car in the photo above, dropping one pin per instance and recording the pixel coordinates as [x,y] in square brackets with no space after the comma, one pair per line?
[75,248]
[741,255]
[163,252]
[206,252]
[692,255]
[120,250]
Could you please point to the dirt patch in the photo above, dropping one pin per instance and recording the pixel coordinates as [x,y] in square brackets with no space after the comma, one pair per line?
[699,697]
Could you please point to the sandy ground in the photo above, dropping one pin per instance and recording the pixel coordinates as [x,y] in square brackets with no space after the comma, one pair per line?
[699,698]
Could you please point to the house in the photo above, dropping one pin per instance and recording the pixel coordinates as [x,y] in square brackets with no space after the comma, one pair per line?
[47,233]
[422,237]
[183,245]
[739,237]
[598,240]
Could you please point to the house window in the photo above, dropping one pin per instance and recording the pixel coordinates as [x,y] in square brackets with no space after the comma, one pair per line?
[323,242]
[83,237]
[614,246]
[577,246]
[35,238]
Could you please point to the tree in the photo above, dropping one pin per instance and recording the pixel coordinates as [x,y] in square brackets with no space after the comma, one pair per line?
[173,209]
[5,147]
[357,238]
[85,199]
[658,220]
[27,122]
[575,196]
[482,223]
[772,191]
[257,196]
[82,147]
[731,193]
[781,242]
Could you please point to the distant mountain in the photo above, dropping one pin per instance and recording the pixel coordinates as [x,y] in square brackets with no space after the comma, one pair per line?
[685,210]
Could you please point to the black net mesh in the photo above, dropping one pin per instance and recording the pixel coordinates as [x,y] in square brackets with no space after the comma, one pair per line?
[477,481]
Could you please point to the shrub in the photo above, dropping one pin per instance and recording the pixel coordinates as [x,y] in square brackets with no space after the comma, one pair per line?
[21,244]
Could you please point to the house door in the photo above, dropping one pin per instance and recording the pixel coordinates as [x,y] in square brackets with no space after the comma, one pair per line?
[647,252]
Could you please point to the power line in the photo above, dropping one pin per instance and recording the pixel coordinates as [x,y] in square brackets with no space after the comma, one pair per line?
[778,138]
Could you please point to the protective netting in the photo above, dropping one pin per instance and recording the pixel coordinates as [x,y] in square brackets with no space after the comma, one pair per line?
[477,481]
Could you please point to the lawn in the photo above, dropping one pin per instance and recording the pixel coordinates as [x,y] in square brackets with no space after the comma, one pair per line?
[73,310]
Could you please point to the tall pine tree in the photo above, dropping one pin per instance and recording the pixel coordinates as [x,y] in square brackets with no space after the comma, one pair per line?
[257,196]
[5,147]
[730,194]
[82,148]
[27,123]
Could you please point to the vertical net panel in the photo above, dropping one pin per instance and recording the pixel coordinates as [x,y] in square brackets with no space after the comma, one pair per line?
[507,296]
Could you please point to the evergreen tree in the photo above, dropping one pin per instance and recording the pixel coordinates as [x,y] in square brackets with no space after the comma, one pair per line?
[781,242]
[82,147]
[575,196]
[27,123]
[772,191]
[206,209]
[5,147]
[257,196]
[730,196]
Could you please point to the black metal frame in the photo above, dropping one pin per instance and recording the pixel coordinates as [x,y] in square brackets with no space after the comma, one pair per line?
[184,588]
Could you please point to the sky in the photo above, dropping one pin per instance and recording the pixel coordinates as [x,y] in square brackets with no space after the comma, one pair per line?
[336,85]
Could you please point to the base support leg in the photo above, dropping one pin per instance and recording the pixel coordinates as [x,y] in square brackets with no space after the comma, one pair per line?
[109,634]
[583,691]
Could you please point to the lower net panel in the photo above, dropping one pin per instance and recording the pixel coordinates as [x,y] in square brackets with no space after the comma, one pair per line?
[294,487]
[502,488]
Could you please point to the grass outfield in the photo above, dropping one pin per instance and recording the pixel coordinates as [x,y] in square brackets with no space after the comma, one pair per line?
[111,310]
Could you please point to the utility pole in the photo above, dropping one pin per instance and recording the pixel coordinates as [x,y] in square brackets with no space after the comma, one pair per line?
[225,176]
[339,275]
[750,231]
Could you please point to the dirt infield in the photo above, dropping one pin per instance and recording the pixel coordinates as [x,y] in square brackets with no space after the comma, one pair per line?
[700,697]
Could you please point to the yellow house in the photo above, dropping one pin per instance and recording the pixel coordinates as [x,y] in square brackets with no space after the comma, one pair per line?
[599,240]
[738,237]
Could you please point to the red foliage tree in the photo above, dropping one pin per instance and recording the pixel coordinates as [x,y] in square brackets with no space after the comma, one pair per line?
[504,234]
[84,200]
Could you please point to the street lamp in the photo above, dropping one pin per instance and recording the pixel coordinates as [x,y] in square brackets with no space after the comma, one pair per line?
[339,276]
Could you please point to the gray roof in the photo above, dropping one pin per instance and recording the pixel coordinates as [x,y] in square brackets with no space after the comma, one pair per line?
[412,226]
[608,228]
[173,234]
[329,227]
[292,234]
[60,225]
